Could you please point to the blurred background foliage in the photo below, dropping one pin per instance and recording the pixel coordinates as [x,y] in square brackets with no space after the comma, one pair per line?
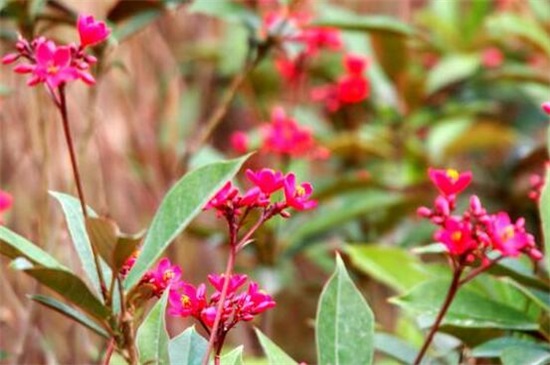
[452,84]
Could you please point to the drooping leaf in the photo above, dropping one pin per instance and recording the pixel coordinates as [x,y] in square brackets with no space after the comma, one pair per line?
[103,234]
[126,245]
[13,245]
[77,229]
[392,266]
[525,355]
[451,69]
[233,357]
[468,309]
[187,348]
[70,287]
[152,337]
[70,312]
[344,329]
[274,353]
[495,347]
[181,204]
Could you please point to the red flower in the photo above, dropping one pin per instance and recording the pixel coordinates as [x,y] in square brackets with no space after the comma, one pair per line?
[6,202]
[546,107]
[450,182]
[456,235]
[239,141]
[298,197]
[91,31]
[186,300]
[492,57]
[267,180]
[285,137]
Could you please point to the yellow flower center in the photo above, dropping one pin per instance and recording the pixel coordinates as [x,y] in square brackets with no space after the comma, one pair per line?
[168,275]
[456,236]
[509,232]
[185,301]
[452,174]
[300,191]
[52,69]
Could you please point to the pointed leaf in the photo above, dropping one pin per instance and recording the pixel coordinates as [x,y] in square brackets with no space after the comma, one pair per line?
[495,347]
[182,203]
[345,325]
[233,357]
[451,69]
[468,309]
[187,348]
[273,352]
[70,312]
[103,234]
[525,355]
[125,247]
[152,338]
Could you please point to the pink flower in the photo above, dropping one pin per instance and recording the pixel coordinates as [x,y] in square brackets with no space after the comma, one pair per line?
[509,238]
[235,282]
[239,141]
[6,202]
[450,182]
[546,107]
[316,39]
[53,65]
[456,235]
[492,57]
[352,89]
[298,197]
[129,263]
[285,137]
[267,180]
[226,196]
[186,300]
[162,276]
[91,31]
[355,64]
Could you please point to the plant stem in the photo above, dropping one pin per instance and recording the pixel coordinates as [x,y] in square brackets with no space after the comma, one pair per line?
[453,289]
[223,294]
[472,274]
[109,351]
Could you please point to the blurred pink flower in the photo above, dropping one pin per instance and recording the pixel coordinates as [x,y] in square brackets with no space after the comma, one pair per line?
[6,201]
[239,141]
[546,107]
[457,236]
[450,181]
[285,136]
[91,31]
[492,57]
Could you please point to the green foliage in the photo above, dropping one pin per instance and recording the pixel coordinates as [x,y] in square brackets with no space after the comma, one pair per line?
[274,354]
[180,205]
[187,348]
[233,357]
[152,338]
[344,329]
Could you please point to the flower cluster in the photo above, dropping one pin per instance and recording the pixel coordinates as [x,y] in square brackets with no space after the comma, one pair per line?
[228,202]
[161,277]
[353,87]
[56,65]
[239,305]
[6,202]
[537,183]
[294,31]
[283,136]
[470,237]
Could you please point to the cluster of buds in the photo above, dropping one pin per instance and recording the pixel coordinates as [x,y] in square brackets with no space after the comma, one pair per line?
[56,65]
[537,183]
[229,203]
[6,202]
[283,136]
[470,237]
[294,31]
[351,88]
[239,305]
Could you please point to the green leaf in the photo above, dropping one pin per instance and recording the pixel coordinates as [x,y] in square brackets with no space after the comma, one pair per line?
[495,347]
[540,297]
[392,266]
[77,229]
[274,354]
[344,328]
[70,312]
[544,211]
[234,357]
[224,9]
[451,69]
[70,287]
[152,338]
[187,348]
[181,204]
[443,134]
[525,356]
[135,24]
[397,348]
[13,245]
[468,309]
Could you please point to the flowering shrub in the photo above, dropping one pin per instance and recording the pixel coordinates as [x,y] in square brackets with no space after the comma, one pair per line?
[273,154]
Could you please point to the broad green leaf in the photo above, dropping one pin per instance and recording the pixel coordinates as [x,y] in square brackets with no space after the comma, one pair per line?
[152,338]
[519,271]
[544,211]
[77,229]
[70,312]
[540,297]
[187,348]
[468,309]
[70,287]
[13,245]
[495,347]
[392,266]
[344,328]
[181,204]
[525,356]
[234,357]
[274,354]
[527,28]
[396,348]
[451,69]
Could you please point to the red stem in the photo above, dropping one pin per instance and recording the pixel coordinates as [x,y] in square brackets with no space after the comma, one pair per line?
[109,351]
[453,289]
